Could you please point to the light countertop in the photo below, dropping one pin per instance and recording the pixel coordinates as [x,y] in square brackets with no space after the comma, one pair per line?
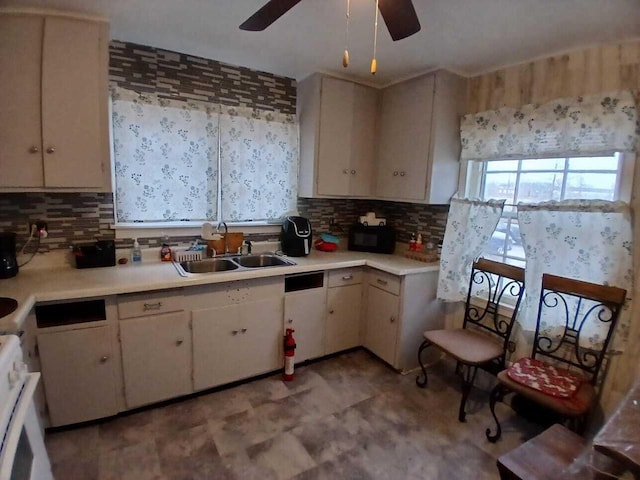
[33,285]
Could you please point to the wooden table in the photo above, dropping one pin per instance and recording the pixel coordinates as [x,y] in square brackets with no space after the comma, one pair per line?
[557,453]
[620,436]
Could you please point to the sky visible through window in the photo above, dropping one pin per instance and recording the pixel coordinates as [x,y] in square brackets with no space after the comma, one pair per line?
[539,180]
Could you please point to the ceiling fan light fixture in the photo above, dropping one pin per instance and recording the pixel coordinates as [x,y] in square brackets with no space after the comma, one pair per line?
[345,55]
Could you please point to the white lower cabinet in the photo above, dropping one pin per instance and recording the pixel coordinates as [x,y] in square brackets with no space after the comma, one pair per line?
[344,309]
[156,358]
[304,311]
[383,312]
[79,373]
[236,341]
[398,311]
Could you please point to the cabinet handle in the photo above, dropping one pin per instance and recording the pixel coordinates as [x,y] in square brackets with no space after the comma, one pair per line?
[347,277]
[345,171]
[392,319]
[353,172]
[51,150]
[290,321]
[34,149]
[152,306]
[402,173]
[179,342]
[244,330]
[104,359]
[382,282]
[331,311]
[395,174]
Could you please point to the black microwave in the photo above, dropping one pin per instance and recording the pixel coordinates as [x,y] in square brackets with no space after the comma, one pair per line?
[378,239]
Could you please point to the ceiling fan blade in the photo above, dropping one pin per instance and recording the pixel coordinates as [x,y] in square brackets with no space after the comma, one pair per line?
[400,17]
[268,14]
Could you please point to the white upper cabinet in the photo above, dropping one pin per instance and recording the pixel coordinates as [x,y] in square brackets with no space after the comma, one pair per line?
[337,137]
[399,143]
[419,139]
[54,96]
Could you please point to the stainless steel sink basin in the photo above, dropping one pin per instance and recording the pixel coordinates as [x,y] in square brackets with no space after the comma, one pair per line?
[235,263]
[261,260]
[209,265]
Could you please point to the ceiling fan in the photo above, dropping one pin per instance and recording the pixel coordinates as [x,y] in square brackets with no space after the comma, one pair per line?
[399,16]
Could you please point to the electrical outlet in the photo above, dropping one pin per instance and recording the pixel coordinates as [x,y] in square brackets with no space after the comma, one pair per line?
[42,229]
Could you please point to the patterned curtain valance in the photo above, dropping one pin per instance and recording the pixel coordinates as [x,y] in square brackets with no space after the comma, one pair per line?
[590,125]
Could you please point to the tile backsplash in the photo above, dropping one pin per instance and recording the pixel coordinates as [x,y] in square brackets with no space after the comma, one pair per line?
[406,218]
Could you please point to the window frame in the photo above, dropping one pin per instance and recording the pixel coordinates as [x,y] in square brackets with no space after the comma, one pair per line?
[472,181]
[125,230]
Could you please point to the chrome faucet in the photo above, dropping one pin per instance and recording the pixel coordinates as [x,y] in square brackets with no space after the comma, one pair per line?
[226,230]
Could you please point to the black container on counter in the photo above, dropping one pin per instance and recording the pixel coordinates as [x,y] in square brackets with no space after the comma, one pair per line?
[101,253]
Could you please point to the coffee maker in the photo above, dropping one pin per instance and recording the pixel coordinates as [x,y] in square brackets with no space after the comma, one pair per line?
[8,262]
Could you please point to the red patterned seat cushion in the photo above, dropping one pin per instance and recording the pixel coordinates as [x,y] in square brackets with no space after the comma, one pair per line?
[550,380]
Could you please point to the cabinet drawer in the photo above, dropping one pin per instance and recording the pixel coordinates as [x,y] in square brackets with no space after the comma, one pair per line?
[345,276]
[149,303]
[385,281]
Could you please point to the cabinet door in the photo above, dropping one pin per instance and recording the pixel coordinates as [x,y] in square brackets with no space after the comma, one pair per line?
[382,323]
[334,144]
[156,358]
[343,317]
[74,93]
[236,341]
[403,147]
[365,113]
[304,312]
[78,372]
[20,128]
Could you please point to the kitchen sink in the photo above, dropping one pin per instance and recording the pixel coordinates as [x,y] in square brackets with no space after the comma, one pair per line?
[209,265]
[261,260]
[225,264]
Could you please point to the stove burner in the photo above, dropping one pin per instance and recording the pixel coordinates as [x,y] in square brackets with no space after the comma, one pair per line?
[7,306]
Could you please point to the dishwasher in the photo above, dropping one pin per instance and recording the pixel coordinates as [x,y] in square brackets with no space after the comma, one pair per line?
[305,312]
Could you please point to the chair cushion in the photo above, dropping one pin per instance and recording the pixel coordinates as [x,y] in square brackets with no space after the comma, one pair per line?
[574,406]
[465,345]
[551,380]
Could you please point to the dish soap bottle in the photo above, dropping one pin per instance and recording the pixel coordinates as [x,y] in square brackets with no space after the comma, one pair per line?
[136,253]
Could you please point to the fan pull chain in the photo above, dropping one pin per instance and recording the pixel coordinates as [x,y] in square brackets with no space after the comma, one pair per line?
[374,62]
[345,56]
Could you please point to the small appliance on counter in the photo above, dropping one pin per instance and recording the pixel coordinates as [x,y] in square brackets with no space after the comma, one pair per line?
[8,261]
[295,236]
[101,253]
[375,239]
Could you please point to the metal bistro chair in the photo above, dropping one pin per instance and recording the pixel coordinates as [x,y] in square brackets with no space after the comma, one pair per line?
[485,344]
[562,373]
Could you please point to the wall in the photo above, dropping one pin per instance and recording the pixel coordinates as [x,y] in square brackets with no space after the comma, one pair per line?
[77,217]
[581,72]
[83,217]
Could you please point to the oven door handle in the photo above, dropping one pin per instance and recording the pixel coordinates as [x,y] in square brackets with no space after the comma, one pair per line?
[17,422]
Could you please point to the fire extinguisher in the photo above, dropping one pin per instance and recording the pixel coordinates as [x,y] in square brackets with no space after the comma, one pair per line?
[289,352]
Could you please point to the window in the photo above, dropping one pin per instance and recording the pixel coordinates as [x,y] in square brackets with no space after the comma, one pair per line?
[539,180]
[183,163]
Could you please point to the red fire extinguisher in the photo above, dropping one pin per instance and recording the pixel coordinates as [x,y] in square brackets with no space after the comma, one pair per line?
[289,352]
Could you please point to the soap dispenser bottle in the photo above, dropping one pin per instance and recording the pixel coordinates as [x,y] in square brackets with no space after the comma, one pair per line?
[136,253]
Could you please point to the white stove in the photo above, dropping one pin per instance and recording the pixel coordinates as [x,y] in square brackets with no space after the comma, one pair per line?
[22,452]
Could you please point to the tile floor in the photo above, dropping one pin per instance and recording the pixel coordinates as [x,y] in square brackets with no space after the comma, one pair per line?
[347,417]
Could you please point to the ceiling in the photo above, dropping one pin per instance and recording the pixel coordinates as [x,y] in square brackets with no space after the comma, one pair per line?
[466,36]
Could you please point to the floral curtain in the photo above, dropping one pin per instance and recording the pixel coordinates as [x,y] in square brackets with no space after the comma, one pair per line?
[589,240]
[470,224]
[590,125]
[166,157]
[258,163]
